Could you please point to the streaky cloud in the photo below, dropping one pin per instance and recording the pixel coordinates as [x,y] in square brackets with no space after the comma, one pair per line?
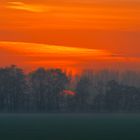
[43,49]
[26,7]
[33,55]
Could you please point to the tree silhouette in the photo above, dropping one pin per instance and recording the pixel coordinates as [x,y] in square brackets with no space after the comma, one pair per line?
[82,92]
[38,89]
[12,88]
[46,88]
[50,90]
[56,82]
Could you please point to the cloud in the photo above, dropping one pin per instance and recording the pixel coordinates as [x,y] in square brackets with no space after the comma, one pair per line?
[32,55]
[57,52]
[70,16]
[26,7]
[52,50]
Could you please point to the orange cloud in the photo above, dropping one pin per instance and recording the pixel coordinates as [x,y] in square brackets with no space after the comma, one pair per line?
[51,50]
[68,58]
[110,16]
[35,55]
[26,7]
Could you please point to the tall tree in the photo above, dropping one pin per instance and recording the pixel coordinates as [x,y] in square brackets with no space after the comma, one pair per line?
[46,87]
[56,82]
[12,88]
[83,92]
[113,97]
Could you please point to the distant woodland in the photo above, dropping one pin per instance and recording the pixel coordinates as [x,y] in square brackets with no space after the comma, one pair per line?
[55,91]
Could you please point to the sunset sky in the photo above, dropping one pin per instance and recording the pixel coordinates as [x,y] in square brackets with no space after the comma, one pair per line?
[70,34]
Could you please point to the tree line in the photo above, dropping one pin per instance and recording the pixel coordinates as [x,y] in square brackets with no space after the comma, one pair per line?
[53,90]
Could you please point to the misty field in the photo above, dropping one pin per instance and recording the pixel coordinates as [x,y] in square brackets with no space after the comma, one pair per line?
[69,127]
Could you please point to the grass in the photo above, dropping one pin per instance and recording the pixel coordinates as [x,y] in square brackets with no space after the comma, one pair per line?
[69,127]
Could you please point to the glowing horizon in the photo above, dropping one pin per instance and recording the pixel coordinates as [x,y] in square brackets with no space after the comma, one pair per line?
[34,55]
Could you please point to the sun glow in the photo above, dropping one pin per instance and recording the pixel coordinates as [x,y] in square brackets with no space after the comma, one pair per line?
[50,55]
[73,59]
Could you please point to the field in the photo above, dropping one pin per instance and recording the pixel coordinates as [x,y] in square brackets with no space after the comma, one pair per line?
[69,127]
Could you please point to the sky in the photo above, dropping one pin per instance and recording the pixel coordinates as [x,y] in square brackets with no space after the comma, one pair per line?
[70,34]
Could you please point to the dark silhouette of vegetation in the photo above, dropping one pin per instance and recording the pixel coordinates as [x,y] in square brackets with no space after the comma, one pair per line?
[46,87]
[83,93]
[52,90]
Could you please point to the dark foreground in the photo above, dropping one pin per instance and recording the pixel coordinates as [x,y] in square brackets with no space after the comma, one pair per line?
[69,127]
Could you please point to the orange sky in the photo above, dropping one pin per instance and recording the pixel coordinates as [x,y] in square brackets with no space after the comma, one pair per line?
[70,34]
